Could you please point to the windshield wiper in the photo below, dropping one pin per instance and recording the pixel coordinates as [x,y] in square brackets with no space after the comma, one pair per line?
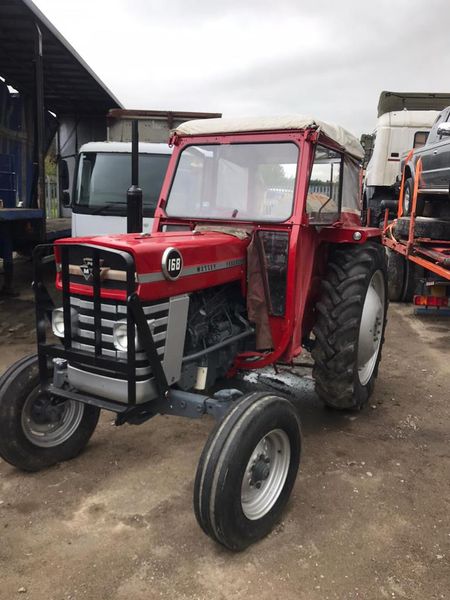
[107,206]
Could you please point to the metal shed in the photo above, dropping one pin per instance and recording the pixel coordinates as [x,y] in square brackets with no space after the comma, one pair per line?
[54,89]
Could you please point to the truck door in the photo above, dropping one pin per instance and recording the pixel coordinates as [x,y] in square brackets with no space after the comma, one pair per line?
[442,164]
[436,158]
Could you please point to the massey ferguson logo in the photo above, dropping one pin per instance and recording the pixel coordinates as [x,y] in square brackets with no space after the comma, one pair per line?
[87,269]
[172,263]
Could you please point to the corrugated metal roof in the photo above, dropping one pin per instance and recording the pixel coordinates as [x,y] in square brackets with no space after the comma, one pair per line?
[70,85]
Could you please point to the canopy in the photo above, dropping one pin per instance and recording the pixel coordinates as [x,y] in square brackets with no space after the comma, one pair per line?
[290,122]
[70,85]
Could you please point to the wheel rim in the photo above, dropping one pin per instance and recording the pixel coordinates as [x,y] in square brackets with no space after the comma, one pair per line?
[46,424]
[265,474]
[371,327]
[406,200]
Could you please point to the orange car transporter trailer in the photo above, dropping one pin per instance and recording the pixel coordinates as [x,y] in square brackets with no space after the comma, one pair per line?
[431,255]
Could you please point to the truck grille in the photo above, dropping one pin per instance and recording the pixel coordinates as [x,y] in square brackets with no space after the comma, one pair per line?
[83,338]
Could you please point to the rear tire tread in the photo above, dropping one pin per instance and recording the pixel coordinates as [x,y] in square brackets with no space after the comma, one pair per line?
[339,313]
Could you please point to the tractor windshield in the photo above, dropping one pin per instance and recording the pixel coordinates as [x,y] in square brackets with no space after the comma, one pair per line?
[242,182]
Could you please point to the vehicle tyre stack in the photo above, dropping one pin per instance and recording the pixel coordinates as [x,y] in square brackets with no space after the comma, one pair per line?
[424,227]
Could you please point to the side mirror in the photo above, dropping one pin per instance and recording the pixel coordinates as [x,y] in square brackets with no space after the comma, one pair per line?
[65,199]
[443,129]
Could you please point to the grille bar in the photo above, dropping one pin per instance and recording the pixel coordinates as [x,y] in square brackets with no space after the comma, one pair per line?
[66,298]
[95,330]
[97,301]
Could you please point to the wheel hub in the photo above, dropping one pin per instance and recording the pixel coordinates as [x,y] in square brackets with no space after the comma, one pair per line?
[265,474]
[371,327]
[47,423]
[44,411]
[406,201]
[260,470]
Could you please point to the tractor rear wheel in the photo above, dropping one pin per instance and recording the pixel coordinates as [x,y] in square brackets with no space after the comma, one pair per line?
[349,331]
[36,431]
[247,470]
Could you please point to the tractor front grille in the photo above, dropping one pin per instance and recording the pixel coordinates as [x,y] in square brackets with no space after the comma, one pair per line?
[83,335]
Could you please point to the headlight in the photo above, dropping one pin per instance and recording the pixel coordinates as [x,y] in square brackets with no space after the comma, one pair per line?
[120,335]
[58,321]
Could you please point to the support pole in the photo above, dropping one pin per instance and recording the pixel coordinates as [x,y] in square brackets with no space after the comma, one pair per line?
[134,194]
[40,121]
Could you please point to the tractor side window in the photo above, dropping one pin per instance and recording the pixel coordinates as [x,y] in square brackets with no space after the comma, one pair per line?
[325,185]
[275,245]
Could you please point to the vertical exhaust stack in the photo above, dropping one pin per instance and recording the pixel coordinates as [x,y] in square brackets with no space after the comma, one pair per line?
[134,193]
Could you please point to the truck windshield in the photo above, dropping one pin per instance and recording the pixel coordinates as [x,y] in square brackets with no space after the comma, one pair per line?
[104,178]
[248,182]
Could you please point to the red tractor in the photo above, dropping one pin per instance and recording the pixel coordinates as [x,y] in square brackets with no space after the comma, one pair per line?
[257,251]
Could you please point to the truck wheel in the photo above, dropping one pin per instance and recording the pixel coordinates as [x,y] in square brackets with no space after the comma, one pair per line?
[351,318]
[36,432]
[408,197]
[424,227]
[413,274]
[247,470]
[396,265]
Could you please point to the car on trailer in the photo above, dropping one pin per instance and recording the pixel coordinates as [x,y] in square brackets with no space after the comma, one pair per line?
[418,246]
[257,251]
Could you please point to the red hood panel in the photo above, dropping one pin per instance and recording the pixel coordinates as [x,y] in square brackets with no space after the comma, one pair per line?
[209,259]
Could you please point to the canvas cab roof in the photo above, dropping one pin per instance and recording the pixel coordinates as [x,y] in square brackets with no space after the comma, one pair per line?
[259,124]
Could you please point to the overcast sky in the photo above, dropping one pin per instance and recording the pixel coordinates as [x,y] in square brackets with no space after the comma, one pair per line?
[327,58]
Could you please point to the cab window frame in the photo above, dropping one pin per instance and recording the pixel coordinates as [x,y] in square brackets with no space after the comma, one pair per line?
[334,216]
[203,217]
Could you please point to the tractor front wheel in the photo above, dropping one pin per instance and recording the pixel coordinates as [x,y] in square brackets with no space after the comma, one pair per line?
[351,319]
[247,470]
[36,430]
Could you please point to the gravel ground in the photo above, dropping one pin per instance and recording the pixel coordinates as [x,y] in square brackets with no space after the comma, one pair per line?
[369,516]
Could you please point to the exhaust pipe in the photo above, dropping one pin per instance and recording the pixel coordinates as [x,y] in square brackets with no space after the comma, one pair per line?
[134,193]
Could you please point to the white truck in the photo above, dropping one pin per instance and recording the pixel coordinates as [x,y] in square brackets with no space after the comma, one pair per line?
[95,186]
[404,121]
[102,178]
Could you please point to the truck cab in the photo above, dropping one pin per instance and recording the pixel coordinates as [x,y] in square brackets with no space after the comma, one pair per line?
[395,133]
[102,177]
[404,122]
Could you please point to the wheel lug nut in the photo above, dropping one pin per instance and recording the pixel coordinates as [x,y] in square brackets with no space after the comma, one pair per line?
[258,484]
[267,460]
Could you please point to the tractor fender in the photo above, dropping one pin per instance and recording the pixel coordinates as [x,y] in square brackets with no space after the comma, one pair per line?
[349,235]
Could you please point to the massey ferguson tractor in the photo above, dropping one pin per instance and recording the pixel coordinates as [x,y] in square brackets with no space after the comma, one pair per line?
[257,251]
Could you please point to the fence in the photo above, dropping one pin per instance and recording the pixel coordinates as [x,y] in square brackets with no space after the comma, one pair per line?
[51,198]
